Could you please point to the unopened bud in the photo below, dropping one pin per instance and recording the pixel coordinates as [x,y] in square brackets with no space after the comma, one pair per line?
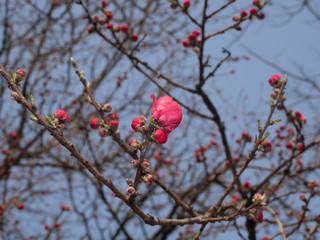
[147,178]
[130,190]
[15,96]
[135,143]
[129,181]
[258,197]
[134,163]
[107,107]
[103,132]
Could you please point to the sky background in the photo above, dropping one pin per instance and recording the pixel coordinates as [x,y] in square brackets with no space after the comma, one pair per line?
[288,37]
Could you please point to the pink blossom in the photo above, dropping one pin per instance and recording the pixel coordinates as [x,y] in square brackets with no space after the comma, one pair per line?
[167,112]
[161,136]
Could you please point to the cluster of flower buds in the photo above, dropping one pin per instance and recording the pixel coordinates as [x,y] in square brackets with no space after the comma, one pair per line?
[60,118]
[130,189]
[146,176]
[18,77]
[184,6]
[64,207]
[191,40]
[112,122]
[246,137]
[299,146]
[106,19]
[123,28]
[313,183]
[300,118]
[254,12]
[199,153]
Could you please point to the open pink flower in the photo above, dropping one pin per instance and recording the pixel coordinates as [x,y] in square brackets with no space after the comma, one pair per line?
[167,112]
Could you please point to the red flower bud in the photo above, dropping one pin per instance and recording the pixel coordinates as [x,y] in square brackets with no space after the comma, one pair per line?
[302,197]
[61,116]
[137,123]
[104,3]
[246,184]
[22,72]
[161,136]
[186,4]
[267,146]
[301,147]
[274,79]
[134,143]
[90,29]
[196,32]
[214,142]
[243,13]
[13,135]
[185,42]
[109,25]
[124,28]
[113,116]
[20,206]
[109,15]
[256,2]
[114,123]
[135,37]
[298,114]
[95,18]
[94,123]
[260,215]
[289,145]
[253,11]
